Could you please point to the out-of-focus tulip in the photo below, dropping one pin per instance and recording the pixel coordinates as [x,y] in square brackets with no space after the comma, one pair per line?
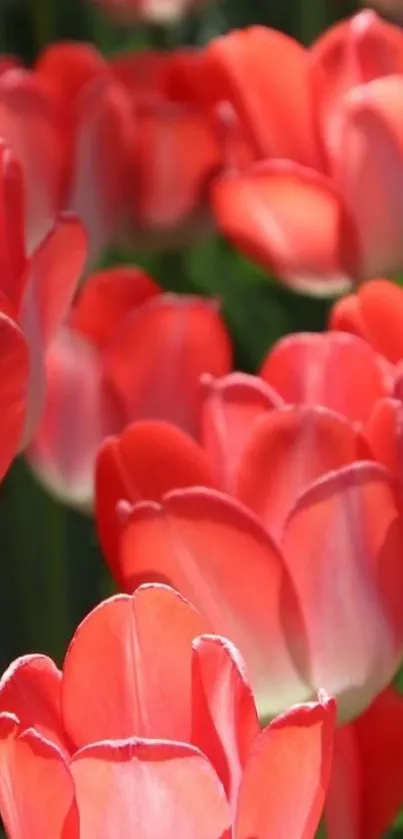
[322,205]
[175,151]
[35,293]
[128,352]
[375,313]
[151,726]
[70,124]
[166,12]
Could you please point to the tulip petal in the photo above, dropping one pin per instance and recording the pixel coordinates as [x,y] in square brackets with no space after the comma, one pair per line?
[346,316]
[216,553]
[335,370]
[31,125]
[105,300]
[224,717]
[231,406]
[381,307]
[110,488]
[67,66]
[12,228]
[14,371]
[286,776]
[286,451]
[243,66]
[383,433]
[156,360]
[369,170]
[343,802]
[144,784]
[343,543]
[129,661]
[36,788]
[79,413]
[292,222]
[30,689]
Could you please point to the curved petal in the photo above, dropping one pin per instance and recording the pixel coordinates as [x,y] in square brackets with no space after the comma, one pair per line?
[30,689]
[346,316]
[370,167]
[14,372]
[335,370]
[36,788]
[144,784]
[291,221]
[243,67]
[110,489]
[231,406]
[343,802]
[12,228]
[66,67]
[159,354]
[286,451]
[217,554]
[31,124]
[384,435]
[286,776]
[381,307]
[106,298]
[343,544]
[224,718]
[130,660]
[79,413]
[100,159]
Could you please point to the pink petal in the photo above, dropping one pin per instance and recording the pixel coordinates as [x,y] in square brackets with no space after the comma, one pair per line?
[106,298]
[156,360]
[30,689]
[286,451]
[231,406]
[146,784]
[14,369]
[224,717]
[267,213]
[343,544]
[286,777]
[130,661]
[79,413]
[36,788]
[335,370]
[216,553]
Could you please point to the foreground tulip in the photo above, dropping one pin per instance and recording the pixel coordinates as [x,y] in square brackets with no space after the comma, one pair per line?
[320,208]
[149,713]
[69,122]
[129,352]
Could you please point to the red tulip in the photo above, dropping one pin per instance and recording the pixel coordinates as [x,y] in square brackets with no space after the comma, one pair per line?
[35,293]
[130,352]
[175,150]
[70,124]
[152,726]
[320,208]
[376,314]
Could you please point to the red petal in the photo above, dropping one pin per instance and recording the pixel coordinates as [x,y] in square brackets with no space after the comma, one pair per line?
[12,227]
[335,370]
[106,298]
[343,544]
[67,67]
[98,184]
[144,785]
[370,165]
[343,802]
[14,365]
[79,413]
[381,305]
[383,432]
[30,689]
[243,66]
[285,780]
[267,212]
[36,788]
[231,406]
[286,451]
[31,125]
[129,661]
[156,360]
[110,488]
[157,457]
[346,316]
[224,717]
[214,552]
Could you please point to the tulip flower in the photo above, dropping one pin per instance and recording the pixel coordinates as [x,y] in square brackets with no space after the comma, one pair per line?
[321,206]
[127,352]
[70,124]
[151,726]
[35,293]
[175,151]
[165,12]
